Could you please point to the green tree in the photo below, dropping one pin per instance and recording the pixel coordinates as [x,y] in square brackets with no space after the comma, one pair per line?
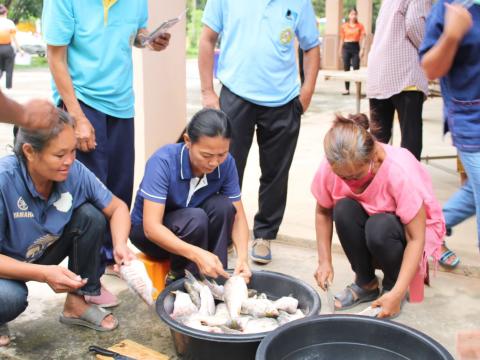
[319,6]
[23,9]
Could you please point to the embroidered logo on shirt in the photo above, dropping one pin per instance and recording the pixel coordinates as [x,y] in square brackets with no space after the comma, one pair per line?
[64,203]
[38,247]
[22,205]
[286,36]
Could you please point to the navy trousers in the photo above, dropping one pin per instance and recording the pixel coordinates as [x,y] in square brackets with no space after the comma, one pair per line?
[277,130]
[208,227]
[112,161]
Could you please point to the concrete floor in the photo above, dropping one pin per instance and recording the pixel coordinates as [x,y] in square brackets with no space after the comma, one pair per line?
[451,303]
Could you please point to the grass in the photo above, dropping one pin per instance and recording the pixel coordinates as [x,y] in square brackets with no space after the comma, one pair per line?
[37,62]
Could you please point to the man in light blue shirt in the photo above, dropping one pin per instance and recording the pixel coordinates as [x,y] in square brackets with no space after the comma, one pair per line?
[90,57]
[261,90]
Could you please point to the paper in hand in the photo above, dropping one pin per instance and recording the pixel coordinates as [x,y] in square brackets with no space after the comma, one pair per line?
[163,28]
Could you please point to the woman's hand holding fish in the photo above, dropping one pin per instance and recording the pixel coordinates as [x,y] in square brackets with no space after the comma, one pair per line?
[209,264]
[243,269]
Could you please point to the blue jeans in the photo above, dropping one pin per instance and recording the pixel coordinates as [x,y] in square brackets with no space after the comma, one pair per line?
[80,241]
[466,201]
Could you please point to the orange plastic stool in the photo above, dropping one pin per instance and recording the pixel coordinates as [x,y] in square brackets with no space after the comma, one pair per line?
[157,271]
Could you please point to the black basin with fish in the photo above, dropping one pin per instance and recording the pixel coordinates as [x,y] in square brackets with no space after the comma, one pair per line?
[200,345]
[348,337]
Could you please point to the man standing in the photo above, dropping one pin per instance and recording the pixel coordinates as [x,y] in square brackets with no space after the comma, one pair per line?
[395,80]
[261,91]
[90,57]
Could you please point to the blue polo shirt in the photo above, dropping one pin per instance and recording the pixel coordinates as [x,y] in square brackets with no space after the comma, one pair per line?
[28,222]
[169,180]
[461,86]
[258,58]
[99,49]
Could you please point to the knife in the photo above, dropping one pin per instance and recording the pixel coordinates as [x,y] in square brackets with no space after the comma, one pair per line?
[330,299]
[105,352]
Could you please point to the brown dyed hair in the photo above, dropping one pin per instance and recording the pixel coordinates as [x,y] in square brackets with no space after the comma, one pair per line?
[349,141]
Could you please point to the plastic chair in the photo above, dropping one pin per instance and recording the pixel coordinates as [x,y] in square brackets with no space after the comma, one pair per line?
[157,271]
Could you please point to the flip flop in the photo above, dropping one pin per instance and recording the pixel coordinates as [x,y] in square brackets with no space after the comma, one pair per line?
[92,318]
[446,256]
[353,295]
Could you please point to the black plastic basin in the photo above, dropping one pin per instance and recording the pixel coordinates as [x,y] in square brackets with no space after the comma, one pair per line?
[348,337]
[195,344]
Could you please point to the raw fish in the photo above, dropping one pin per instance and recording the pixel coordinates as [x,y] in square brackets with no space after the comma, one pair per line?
[183,305]
[235,293]
[137,279]
[260,325]
[287,303]
[259,308]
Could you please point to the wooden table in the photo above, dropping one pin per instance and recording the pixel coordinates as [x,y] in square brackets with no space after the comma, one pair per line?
[356,76]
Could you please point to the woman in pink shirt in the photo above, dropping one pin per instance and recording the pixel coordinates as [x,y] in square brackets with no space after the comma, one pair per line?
[386,215]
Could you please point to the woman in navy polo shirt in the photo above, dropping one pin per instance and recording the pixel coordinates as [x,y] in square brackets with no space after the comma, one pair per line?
[51,207]
[188,206]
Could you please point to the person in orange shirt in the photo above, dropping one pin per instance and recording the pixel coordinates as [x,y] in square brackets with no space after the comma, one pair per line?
[7,53]
[352,35]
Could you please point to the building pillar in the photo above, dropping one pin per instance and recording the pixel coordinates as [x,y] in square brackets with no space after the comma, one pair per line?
[334,15]
[160,87]
[365,17]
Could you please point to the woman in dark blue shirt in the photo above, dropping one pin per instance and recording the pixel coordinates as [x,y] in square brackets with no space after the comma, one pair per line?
[51,207]
[188,207]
